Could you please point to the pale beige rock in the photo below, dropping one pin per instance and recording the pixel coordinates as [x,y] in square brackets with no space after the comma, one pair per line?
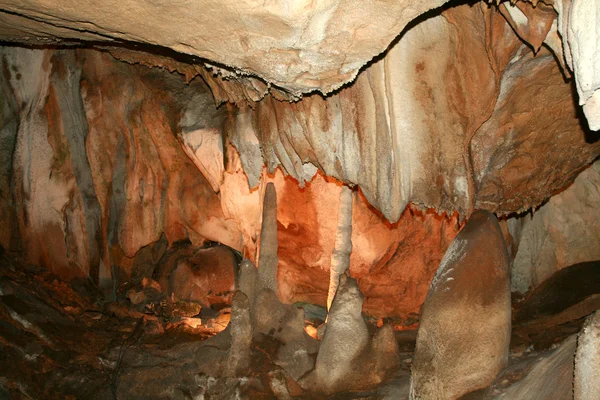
[301,46]
[340,258]
[563,232]
[586,385]
[348,358]
[578,26]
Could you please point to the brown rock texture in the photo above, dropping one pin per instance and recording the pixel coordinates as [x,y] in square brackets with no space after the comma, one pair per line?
[519,157]
[207,277]
[97,172]
[464,333]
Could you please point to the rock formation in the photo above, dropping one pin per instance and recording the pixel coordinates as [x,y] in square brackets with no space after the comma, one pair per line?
[586,384]
[563,232]
[464,332]
[551,377]
[267,257]
[340,259]
[348,358]
[152,154]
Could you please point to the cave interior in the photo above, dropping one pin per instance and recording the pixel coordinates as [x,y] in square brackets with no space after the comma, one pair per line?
[336,199]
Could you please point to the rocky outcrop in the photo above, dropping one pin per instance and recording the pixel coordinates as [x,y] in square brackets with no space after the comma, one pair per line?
[465,327]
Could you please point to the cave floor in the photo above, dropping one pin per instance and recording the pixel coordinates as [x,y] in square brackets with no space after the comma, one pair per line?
[62,341]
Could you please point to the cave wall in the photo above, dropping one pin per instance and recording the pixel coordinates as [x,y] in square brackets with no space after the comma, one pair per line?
[106,155]
[563,232]
[97,172]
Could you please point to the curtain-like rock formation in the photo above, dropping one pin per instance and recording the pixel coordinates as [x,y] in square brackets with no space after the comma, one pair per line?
[458,97]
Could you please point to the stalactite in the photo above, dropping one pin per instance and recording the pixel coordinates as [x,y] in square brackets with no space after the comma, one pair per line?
[340,259]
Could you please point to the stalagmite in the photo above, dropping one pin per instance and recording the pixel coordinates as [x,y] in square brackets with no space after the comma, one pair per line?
[340,259]
[464,333]
[349,359]
[586,385]
[238,360]
[267,258]
[346,338]
[246,281]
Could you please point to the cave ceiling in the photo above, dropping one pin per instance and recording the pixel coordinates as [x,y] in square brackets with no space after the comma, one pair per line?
[451,106]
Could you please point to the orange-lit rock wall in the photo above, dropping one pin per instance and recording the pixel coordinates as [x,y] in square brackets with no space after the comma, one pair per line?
[101,158]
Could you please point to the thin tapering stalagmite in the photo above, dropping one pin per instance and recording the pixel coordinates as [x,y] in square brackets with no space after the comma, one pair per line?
[340,259]
[267,257]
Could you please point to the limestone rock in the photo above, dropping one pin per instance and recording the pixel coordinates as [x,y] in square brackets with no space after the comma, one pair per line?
[516,151]
[577,24]
[464,332]
[393,264]
[285,324]
[563,232]
[569,294]
[246,281]
[267,257]
[207,277]
[268,312]
[238,359]
[586,385]
[551,378]
[347,358]
[301,47]
[296,355]
[91,189]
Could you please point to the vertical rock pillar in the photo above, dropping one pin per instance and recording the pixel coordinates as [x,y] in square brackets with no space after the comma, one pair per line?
[340,259]
[267,257]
